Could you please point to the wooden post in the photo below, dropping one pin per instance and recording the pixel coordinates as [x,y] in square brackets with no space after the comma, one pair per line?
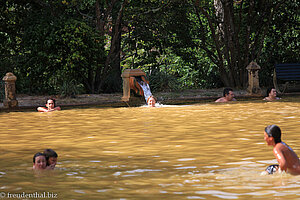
[253,79]
[10,90]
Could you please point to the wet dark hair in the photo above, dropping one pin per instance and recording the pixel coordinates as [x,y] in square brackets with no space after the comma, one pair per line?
[37,155]
[50,153]
[226,91]
[275,132]
[269,90]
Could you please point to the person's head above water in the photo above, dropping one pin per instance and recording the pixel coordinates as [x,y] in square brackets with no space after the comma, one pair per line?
[151,101]
[227,91]
[228,95]
[275,132]
[50,104]
[51,157]
[271,92]
[39,161]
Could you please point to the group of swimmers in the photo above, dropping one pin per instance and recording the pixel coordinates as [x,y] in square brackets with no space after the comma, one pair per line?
[45,160]
[228,95]
[288,160]
[50,105]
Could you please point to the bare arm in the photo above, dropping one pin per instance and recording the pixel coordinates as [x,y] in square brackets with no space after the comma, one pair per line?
[280,158]
[42,109]
[57,108]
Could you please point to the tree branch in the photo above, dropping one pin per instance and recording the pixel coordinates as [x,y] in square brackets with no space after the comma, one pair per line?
[85,15]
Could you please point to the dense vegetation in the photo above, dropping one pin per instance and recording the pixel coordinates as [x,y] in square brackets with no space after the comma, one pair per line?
[82,46]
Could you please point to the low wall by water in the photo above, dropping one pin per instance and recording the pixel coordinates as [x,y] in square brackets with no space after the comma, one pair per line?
[31,103]
[27,102]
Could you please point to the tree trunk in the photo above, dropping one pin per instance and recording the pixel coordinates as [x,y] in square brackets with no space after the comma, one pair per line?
[112,67]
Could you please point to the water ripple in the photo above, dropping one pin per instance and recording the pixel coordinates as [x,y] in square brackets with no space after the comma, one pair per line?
[220,194]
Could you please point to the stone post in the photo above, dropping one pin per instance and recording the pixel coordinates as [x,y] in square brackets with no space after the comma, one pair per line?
[126,81]
[10,90]
[253,79]
[126,87]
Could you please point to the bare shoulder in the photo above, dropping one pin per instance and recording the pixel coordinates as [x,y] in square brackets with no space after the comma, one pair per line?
[267,99]
[279,146]
[222,99]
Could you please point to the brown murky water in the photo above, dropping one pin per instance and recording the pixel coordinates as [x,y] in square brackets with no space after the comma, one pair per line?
[205,151]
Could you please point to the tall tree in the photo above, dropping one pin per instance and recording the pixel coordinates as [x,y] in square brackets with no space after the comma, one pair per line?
[230,33]
[109,21]
[66,41]
[239,29]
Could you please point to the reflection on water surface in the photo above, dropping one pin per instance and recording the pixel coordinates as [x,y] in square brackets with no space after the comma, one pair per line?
[205,151]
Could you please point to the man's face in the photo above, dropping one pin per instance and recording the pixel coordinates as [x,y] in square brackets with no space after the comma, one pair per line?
[229,96]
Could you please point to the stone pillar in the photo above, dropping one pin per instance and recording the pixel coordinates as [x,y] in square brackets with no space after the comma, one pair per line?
[253,79]
[10,90]
[126,87]
[126,81]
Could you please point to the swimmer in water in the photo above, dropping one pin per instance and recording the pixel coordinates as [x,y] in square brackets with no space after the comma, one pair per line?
[50,106]
[39,161]
[151,101]
[271,95]
[228,95]
[51,158]
[288,160]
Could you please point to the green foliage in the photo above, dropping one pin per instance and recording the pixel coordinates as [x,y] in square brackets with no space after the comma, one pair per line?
[176,28]
[54,47]
[10,33]
[162,44]
[162,81]
[65,46]
[282,44]
[66,86]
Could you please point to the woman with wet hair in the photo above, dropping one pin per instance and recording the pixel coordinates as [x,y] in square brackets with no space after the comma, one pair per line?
[271,95]
[39,161]
[50,106]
